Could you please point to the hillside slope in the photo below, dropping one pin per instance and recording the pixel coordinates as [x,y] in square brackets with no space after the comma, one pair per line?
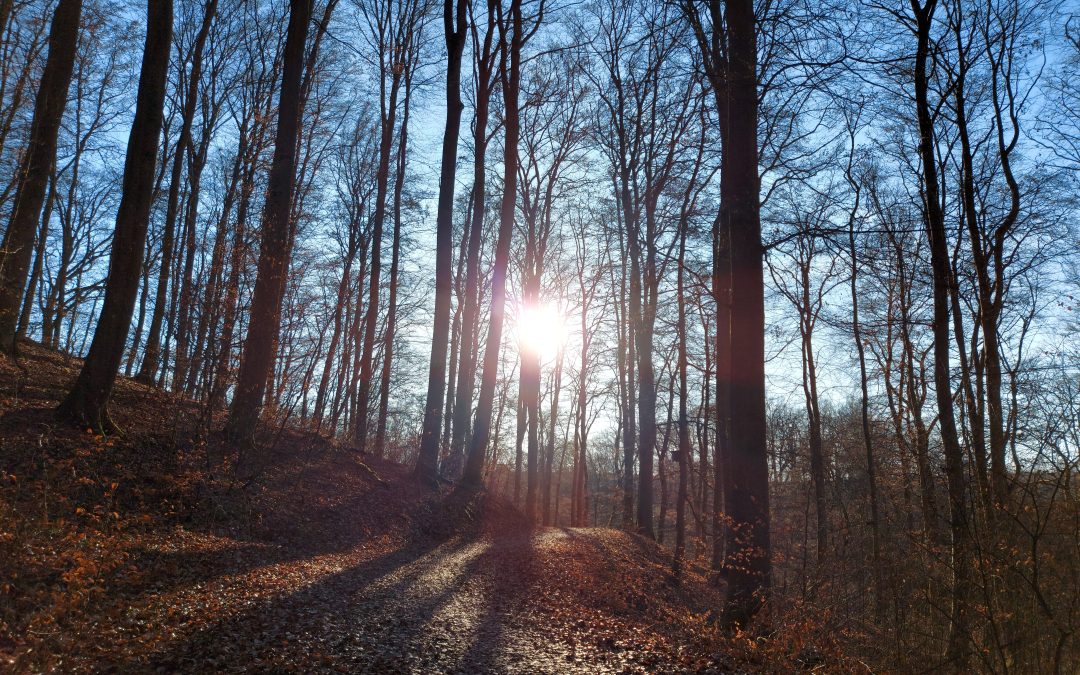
[139,552]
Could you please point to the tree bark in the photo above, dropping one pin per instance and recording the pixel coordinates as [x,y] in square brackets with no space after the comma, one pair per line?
[957,651]
[39,260]
[86,404]
[549,455]
[746,481]
[395,261]
[388,103]
[466,376]
[684,422]
[511,79]
[454,27]
[36,165]
[258,356]
[152,351]
[864,404]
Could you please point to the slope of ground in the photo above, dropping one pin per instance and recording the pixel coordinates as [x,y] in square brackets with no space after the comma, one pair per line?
[140,553]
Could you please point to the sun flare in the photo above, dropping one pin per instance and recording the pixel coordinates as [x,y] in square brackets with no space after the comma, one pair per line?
[541,329]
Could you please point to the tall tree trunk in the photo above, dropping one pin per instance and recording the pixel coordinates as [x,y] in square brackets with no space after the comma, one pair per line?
[36,165]
[703,429]
[813,412]
[466,376]
[335,338]
[511,84]
[257,362]
[627,403]
[214,354]
[232,284]
[395,258]
[88,399]
[387,117]
[152,353]
[518,454]
[452,465]
[580,509]
[864,406]
[39,260]
[454,27]
[746,481]
[957,651]
[662,463]
[187,286]
[684,422]
[549,456]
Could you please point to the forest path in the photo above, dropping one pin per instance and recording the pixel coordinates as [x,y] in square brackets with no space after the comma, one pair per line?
[461,606]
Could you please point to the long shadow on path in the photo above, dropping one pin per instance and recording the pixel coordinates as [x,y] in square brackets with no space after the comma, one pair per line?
[325,622]
[509,568]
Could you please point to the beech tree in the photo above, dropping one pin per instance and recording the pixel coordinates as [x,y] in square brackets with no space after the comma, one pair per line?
[455,25]
[37,164]
[257,361]
[514,33]
[486,51]
[183,145]
[88,399]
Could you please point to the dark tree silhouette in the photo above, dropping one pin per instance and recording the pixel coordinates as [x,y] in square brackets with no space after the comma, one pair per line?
[455,25]
[37,164]
[746,474]
[934,222]
[152,351]
[513,35]
[257,360]
[87,402]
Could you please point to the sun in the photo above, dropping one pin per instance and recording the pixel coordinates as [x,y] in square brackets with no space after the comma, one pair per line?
[541,329]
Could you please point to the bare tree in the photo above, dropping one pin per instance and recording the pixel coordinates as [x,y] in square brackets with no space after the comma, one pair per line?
[36,166]
[257,362]
[514,34]
[86,403]
[455,26]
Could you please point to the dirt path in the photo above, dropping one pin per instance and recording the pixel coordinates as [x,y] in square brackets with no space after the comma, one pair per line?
[456,607]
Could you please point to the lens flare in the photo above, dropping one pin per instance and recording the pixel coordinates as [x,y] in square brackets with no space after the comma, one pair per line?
[541,329]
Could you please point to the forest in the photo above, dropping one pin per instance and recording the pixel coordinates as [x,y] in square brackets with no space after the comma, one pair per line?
[540,336]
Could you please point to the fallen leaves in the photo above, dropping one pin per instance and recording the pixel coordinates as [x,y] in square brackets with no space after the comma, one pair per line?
[138,553]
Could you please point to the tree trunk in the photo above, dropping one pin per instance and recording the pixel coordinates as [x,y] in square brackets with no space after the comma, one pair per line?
[466,376]
[626,376]
[452,465]
[549,457]
[258,356]
[511,78]
[86,403]
[864,408]
[232,284]
[454,26]
[746,481]
[387,118]
[36,165]
[152,351]
[395,257]
[187,286]
[813,411]
[39,260]
[684,422]
[957,652]
[518,454]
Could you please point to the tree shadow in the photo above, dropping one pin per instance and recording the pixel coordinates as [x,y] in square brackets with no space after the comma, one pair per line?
[311,618]
[510,567]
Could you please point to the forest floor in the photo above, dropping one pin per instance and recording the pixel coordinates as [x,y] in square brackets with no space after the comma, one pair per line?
[140,553]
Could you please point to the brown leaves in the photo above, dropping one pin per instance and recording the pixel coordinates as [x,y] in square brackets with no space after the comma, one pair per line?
[127,552]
